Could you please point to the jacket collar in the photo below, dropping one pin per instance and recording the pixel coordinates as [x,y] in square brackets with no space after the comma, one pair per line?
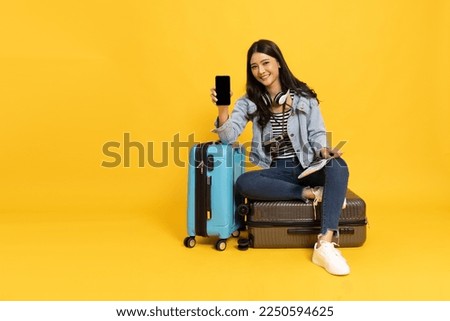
[300,103]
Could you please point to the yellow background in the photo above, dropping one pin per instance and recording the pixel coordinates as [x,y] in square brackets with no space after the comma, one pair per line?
[75,75]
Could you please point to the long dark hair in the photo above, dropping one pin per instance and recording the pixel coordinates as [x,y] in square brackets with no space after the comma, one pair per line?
[255,89]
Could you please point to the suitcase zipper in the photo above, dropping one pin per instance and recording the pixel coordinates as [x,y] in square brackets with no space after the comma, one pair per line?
[302,224]
[202,191]
[201,166]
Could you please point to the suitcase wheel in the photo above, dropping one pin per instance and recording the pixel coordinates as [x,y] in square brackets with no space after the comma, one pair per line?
[243,209]
[221,245]
[189,241]
[236,233]
[243,244]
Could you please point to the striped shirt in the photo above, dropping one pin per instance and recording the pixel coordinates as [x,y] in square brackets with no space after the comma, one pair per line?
[282,148]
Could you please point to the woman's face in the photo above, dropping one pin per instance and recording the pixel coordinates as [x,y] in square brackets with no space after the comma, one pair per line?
[265,69]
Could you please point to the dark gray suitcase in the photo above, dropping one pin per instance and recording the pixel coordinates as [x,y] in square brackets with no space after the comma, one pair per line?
[293,224]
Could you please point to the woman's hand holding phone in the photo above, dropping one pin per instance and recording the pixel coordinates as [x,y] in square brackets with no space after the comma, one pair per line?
[214,97]
[223,110]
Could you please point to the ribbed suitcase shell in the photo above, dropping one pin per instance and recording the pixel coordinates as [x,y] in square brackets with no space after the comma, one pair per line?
[228,164]
[291,224]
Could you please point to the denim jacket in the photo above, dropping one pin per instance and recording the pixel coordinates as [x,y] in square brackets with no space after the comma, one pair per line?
[305,128]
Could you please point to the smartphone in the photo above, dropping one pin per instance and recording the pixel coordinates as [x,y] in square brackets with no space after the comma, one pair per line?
[223,90]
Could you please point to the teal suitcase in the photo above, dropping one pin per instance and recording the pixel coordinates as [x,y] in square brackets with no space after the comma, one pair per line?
[212,200]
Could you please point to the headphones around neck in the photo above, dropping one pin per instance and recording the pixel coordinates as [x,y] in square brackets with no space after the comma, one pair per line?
[279,98]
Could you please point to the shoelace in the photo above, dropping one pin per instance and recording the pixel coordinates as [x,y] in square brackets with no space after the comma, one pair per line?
[315,202]
[314,208]
[333,249]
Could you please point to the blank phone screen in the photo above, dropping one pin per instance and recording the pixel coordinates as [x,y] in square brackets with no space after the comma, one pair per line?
[223,90]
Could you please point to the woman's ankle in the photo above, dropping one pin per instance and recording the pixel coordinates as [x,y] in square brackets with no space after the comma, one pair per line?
[327,237]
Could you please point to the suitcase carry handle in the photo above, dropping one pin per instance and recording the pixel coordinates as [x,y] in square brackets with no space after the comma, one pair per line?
[304,230]
[316,230]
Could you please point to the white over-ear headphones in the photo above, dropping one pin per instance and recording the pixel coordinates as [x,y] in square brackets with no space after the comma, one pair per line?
[279,98]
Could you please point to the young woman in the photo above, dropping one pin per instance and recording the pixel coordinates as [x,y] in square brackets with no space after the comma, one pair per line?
[288,133]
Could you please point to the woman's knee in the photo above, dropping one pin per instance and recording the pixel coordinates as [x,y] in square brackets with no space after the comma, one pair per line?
[338,166]
[243,183]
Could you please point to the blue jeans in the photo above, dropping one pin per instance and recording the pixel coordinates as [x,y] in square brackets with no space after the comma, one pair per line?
[280,182]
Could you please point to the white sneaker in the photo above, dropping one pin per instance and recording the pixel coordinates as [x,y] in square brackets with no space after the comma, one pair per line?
[330,258]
